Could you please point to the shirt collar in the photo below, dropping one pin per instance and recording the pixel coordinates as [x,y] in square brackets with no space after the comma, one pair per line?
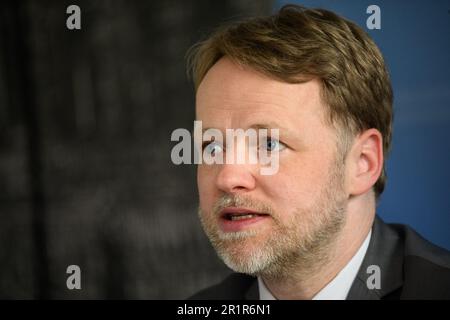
[339,287]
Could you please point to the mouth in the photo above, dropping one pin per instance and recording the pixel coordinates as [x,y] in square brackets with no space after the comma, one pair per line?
[233,219]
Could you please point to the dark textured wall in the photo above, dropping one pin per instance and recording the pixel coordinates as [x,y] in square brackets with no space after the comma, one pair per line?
[85,170]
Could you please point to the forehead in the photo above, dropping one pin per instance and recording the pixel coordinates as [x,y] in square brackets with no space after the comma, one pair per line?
[232,95]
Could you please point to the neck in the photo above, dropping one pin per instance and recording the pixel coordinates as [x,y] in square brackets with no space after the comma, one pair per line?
[304,282]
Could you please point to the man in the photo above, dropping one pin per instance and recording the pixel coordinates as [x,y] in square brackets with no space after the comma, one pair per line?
[310,230]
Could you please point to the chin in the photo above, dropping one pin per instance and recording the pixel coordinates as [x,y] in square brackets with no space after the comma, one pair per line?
[248,256]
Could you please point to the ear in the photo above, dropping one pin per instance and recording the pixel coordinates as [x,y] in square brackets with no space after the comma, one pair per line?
[365,161]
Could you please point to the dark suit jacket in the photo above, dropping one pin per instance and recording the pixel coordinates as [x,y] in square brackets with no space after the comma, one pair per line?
[411,268]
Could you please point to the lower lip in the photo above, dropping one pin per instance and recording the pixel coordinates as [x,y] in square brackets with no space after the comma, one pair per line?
[240,225]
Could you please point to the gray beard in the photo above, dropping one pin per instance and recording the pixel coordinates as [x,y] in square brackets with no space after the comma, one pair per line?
[303,244]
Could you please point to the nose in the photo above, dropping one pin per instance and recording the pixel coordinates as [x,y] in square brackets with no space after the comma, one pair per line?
[235,178]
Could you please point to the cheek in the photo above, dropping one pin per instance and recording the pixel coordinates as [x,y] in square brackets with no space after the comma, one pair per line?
[287,192]
[297,183]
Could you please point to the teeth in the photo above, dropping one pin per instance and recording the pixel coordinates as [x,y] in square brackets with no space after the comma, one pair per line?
[247,216]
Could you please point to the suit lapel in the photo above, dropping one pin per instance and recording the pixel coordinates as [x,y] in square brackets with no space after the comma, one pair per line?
[385,251]
[252,291]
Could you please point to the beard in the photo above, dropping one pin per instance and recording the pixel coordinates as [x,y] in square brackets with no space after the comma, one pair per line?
[301,242]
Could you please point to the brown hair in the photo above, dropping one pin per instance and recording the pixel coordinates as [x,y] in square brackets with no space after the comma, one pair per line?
[298,44]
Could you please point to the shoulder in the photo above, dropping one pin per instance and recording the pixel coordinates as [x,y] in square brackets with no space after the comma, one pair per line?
[417,246]
[426,267]
[234,287]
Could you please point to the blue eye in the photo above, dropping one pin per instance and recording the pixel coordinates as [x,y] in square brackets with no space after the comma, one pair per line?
[212,147]
[273,145]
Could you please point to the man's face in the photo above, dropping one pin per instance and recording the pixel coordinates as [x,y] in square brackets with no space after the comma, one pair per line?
[264,224]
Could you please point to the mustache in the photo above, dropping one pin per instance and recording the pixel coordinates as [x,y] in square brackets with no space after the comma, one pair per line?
[247,202]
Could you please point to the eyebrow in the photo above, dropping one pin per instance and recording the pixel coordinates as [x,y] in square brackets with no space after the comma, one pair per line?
[270,125]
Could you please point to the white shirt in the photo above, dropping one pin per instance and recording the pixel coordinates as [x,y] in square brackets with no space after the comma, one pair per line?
[339,287]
